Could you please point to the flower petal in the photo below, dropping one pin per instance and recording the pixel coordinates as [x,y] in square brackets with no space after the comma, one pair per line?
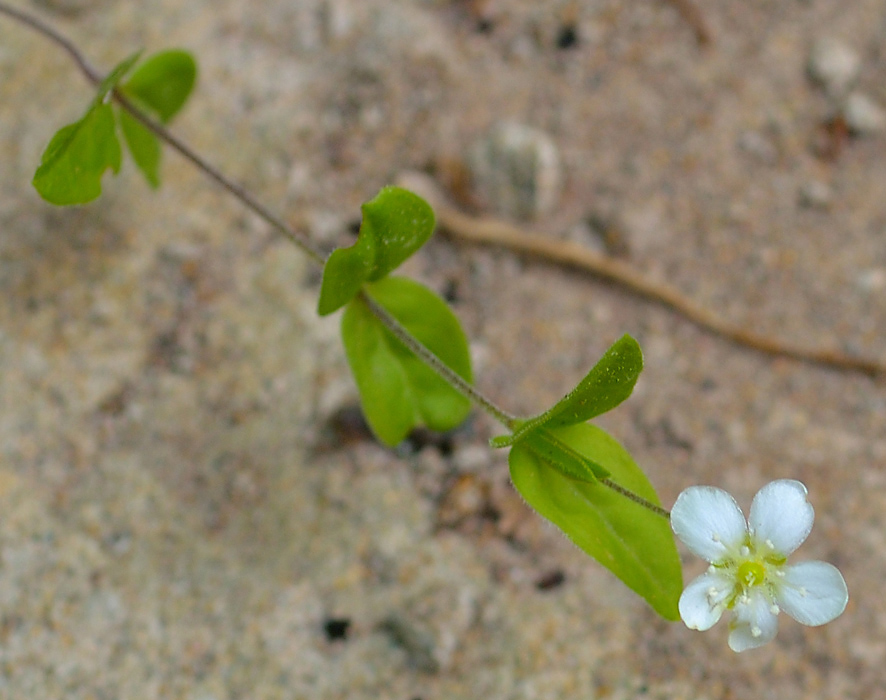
[781,515]
[755,621]
[704,600]
[812,592]
[709,522]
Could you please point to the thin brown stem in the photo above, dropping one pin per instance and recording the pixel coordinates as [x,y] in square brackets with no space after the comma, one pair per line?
[490,231]
[693,16]
[35,23]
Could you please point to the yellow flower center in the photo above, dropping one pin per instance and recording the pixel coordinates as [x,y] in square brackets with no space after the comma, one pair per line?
[751,573]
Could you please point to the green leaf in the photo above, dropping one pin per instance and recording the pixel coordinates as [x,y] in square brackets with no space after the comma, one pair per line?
[143,145]
[608,383]
[627,538]
[546,446]
[161,86]
[78,154]
[397,390]
[395,225]
[163,82]
[73,163]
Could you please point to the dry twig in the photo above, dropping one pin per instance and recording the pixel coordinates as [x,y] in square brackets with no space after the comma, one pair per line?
[693,16]
[490,231]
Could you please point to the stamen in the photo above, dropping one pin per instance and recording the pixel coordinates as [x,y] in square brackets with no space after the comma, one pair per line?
[769,544]
[803,592]
[745,550]
[756,631]
[774,609]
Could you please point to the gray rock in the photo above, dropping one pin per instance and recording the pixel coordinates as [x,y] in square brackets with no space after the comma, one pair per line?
[834,65]
[872,280]
[863,115]
[517,171]
[816,195]
[759,146]
[417,642]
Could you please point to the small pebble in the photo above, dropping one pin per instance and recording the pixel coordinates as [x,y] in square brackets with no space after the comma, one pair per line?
[863,116]
[516,171]
[417,642]
[338,19]
[834,65]
[472,458]
[816,195]
[758,145]
[872,280]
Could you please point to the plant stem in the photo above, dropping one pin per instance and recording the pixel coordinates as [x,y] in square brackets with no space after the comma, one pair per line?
[299,239]
[434,362]
[34,23]
[639,500]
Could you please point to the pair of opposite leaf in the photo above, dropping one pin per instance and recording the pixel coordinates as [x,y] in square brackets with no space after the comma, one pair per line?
[557,459]
[398,391]
[80,153]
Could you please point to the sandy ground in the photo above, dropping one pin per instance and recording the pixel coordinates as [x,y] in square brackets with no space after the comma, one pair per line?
[184,513]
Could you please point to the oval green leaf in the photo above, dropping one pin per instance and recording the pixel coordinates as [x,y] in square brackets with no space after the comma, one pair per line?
[73,163]
[396,223]
[398,392]
[163,82]
[630,540]
[77,156]
[608,383]
[144,147]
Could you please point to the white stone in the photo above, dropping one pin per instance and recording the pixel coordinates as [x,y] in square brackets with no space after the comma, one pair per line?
[816,195]
[872,280]
[517,171]
[863,115]
[834,65]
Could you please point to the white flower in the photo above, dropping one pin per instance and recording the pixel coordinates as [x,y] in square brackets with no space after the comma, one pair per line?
[748,574]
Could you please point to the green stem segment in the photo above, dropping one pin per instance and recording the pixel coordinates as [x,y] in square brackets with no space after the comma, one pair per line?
[435,363]
[300,240]
[639,500]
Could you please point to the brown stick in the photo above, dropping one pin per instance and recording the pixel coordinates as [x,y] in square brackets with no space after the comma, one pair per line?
[693,16]
[490,231]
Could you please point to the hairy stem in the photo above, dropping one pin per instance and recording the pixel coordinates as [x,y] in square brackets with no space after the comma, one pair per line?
[435,363]
[300,240]
[639,500]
